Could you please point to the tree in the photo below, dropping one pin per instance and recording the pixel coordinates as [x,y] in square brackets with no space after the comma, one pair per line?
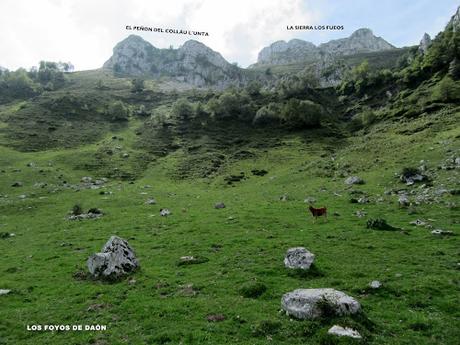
[18,84]
[182,109]
[454,69]
[232,103]
[118,111]
[446,91]
[253,88]
[301,114]
[268,114]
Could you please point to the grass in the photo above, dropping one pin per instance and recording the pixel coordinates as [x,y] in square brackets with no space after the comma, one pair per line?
[239,272]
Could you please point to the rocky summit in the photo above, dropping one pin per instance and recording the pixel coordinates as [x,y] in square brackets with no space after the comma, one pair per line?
[193,63]
[296,50]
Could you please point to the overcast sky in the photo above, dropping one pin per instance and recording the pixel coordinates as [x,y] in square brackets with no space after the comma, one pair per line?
[85,31]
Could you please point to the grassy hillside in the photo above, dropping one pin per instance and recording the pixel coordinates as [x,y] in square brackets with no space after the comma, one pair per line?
[97,141]
[164,303]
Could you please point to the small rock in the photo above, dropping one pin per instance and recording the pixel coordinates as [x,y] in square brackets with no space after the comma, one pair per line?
[284,197]
[309,200]
[418,222]
[360,214]
[164,212]
[86,179]
[375,284]
[4,291]
[125,155]
[440,232]
[219,205]
[354,180]
[151,201]
[17,184]
[363,200]
[403,200]
[299,258]
[215,317]
[344,332]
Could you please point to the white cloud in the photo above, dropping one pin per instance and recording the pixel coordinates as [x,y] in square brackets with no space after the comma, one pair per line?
[85,31]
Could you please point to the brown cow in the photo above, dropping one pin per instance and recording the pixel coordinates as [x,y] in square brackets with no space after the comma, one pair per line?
[318,212]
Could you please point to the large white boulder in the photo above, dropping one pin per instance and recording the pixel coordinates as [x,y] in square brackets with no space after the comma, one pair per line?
[311,303]
[115,260]
[299,258]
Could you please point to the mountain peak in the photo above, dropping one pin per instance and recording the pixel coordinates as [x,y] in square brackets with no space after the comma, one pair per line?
[193,63]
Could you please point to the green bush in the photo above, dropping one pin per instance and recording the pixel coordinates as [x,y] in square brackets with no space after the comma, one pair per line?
[446,90]
[268,114]
[266,327]
[182,109]
[252,289]
[301,114]
[118,111]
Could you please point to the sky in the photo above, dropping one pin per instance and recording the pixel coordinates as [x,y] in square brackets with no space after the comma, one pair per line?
[84,32]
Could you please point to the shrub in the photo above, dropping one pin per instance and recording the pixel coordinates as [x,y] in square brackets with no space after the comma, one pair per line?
[446,90]
[76,210]
[301,114]
[268,114]
[252,289]
[138,85]
[378,224]
[182,109]
[118,111]
[266,327]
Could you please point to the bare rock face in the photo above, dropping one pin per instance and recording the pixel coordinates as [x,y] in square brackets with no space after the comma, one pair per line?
[424,43]
[361,41]
[193,63]
[455,20]
[299,258]
[315,303]
[115,260]
[281,52]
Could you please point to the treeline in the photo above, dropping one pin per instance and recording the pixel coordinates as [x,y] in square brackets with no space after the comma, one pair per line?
[293,103]
[22,84]
[441,60]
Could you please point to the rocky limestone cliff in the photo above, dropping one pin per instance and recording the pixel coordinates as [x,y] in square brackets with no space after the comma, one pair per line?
[455,20]
[281,52]
[425,43]
[193,63]
[360,41]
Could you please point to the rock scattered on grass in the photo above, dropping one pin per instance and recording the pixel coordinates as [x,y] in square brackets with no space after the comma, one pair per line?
[316,303]
[440,232]
[299,258]
[151,201]
[164,212]
[215,317]
[4,291]
[115,260]
[375,284]
[309,200]
[344,332]
[219,205]
[354,180]
[418,222]
[191,260]
[17,184]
